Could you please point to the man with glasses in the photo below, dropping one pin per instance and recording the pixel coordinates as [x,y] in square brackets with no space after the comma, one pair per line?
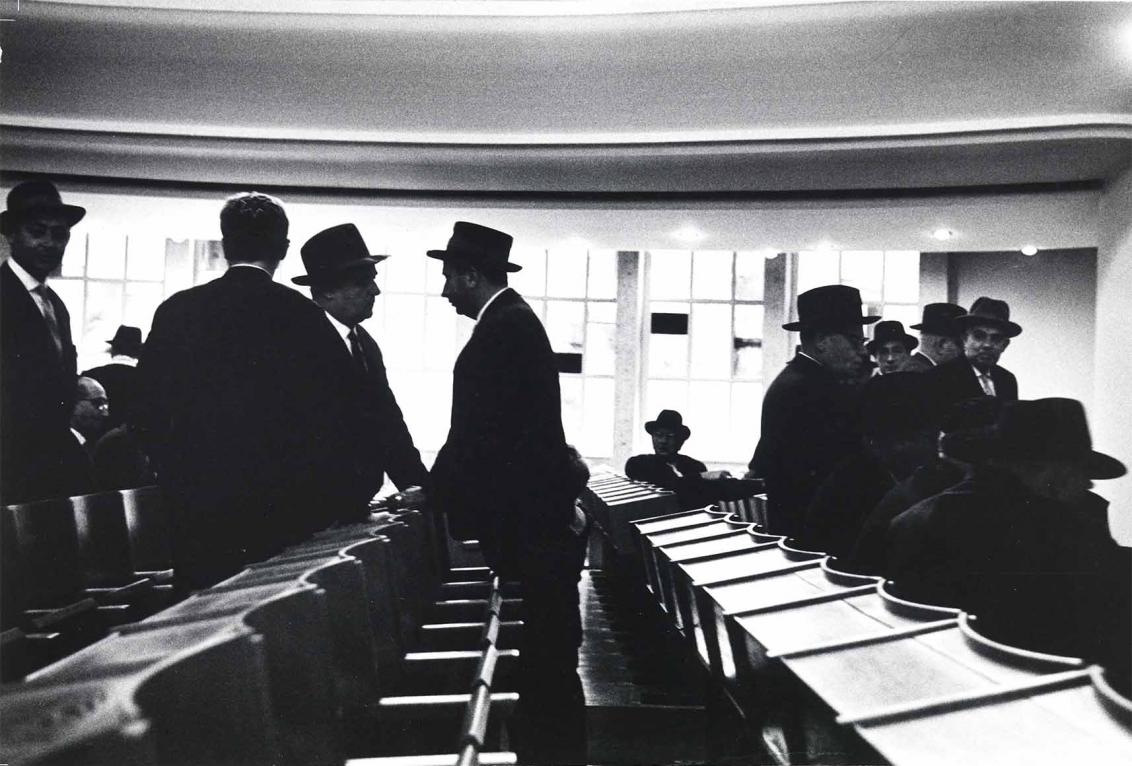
[986,332]
[809,420]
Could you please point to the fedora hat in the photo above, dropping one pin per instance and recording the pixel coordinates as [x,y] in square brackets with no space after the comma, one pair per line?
[38,196]
[1053,430]
[127,340]
[333,251]
[939,319]
[890,330]
[990,311]
[670,420]
[479,246]
[828,307]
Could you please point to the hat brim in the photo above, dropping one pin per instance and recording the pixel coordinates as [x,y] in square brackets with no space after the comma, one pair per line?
[650,426]
[454,255]
[328,276]
[1011,329]
[800,325]
[72,214]
[1098,465]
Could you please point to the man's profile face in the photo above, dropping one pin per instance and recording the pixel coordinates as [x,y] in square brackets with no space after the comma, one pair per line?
[666,442]
[352,301]
[841,351]
[37,242]
[983,345]
[457,289]
[91,410]
[892,356]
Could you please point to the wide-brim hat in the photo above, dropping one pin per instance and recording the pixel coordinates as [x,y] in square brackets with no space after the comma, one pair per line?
[829,307]
[670,420]
[39,196]
[939,319]
[480,246]
[332,252]
[127,340]
[990,311]
[1053,430]
[890,330]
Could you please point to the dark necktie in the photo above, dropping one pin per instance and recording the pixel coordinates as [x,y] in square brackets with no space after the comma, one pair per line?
[49,317]
[357,352]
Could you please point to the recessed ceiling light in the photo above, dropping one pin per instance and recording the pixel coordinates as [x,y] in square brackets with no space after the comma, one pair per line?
[1029,250]
[689,233]
[943,234]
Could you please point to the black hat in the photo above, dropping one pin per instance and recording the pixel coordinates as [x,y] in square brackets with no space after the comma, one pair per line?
[895,404]
[670,420]
[478,245]
[127,340]
[333,251]
[828,307]
[890,330]
[991,312]
[36,197]
[939,319]
[1051,429]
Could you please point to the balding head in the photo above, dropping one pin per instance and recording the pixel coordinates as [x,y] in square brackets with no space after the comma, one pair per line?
[91,410]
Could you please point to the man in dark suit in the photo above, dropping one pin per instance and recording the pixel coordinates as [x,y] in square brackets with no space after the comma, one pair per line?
[809,421]
[341,275]
[667,468]
[986,332]
[37,373]
[117,377]
[504,477]
[940,340]
[891,347]
[242,403]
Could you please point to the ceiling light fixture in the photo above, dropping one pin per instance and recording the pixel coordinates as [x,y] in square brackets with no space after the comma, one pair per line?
[1029,249]
[942,234]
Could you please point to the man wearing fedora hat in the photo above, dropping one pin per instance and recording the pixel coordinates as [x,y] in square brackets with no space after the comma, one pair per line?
[1022,543]
[37,374]
[117,377]
[504,477]
[809,421]
[986,331]
[668,468]
[245,406]
[940,340]
[891,347]
[342,276]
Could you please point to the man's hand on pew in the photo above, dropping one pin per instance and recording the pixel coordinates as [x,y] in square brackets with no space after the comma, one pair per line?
[413,497]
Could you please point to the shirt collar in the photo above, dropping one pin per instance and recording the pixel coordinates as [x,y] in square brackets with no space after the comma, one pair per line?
[80,437]
[340,328]
[251,266]
[490,300]
[28,281]
[129,361]
[815,361]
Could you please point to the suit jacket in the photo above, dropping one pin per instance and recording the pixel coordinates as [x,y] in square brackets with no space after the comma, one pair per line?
[955,381]
[118,380]
[399,457]
[919,363]
[244,407]
[690,488]
[809,423]
[841,503]
[37,386]
[504,472]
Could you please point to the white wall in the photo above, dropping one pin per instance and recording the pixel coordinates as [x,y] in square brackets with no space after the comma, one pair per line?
[1111,416]
[1051,295]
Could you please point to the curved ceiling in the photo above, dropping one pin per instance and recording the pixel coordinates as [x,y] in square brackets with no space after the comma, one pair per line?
[768,96]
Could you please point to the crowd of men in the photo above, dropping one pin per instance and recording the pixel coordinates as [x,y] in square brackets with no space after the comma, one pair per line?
[266,416]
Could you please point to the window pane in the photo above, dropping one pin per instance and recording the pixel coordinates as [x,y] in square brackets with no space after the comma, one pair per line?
[440,335]
[145,257]
[375,325]
[103,315]
[902,276]
[669,274]
[602,312]
[434,273]
[403,343]
[565,326]
[142,299]
[746,411]
[531,279]
[403,274]
[178,265]
[566,273]
[817,268]
[668,356]
[74,258]
[599,357]
[603,274]
[711,340]
[425,399]
[711,274]
[208,255]
[749,270]
[908,314]
[864,269]
[70,291]
[572,407]
[106,256]
[597,434]
[748,341]
[708,416]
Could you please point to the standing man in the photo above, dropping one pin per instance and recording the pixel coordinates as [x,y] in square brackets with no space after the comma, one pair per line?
[986,331]
[809,421]
[341,275]
[37,372]
[504,477]
[891,347]
[117,377]
[243,394]
[940,340]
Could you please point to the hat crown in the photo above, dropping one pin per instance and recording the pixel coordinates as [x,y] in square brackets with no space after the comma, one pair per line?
[478,245]
[939,319]
[889,329]
[332,251]
[126,338]
[1052,428]
[991,309]
[38,194]
[670,419]
[830,306]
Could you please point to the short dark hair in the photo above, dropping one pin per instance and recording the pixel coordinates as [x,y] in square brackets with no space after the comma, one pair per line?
[249,221]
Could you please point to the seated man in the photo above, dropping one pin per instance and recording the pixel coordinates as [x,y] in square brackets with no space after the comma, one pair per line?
[1023,544]
[667,468]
